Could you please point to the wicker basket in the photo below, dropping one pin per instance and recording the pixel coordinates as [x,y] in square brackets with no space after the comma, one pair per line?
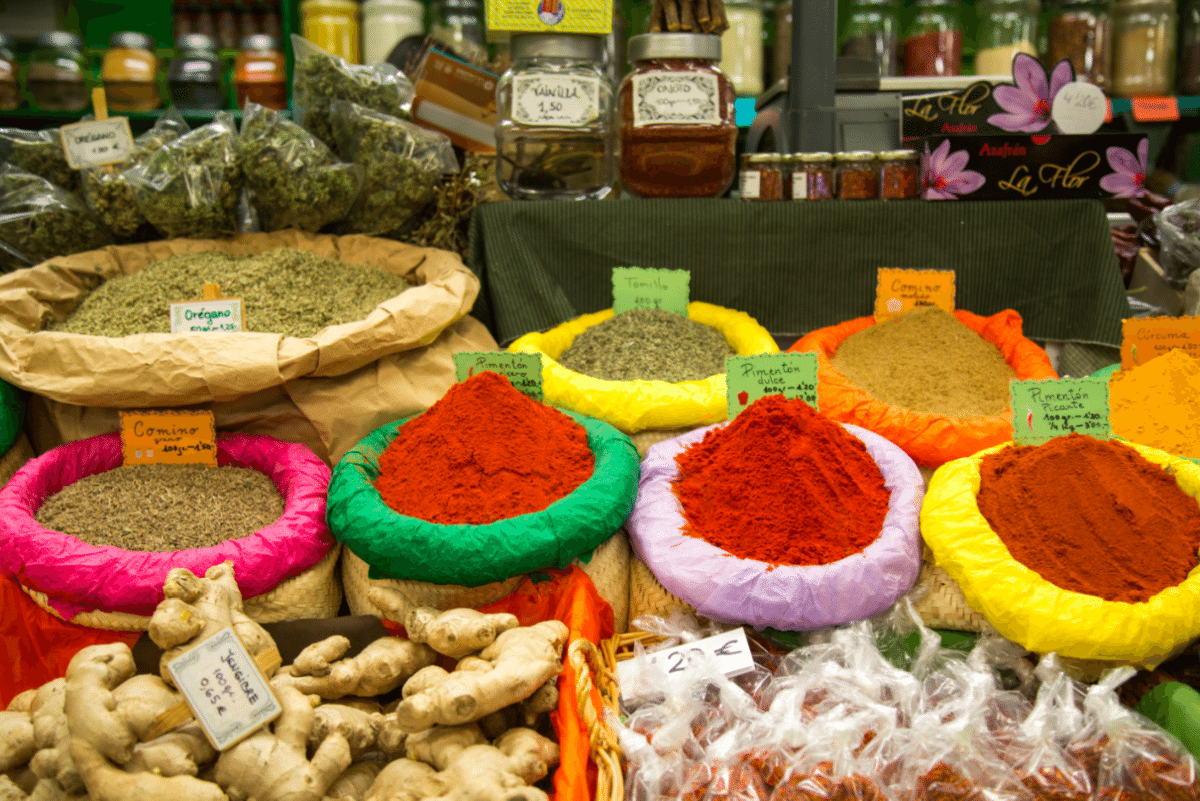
[315,593]
[940,603]
[608,568]
[592,672]
[20,453]
[644,439]
[647,596]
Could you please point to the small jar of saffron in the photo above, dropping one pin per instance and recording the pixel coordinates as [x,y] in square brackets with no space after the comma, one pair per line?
[856,175]
[899,173]
[761,177]
[812,177]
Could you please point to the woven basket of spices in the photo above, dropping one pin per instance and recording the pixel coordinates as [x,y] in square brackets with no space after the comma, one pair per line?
[92,540]
[1079,546]
[486,485]
[649,373]
[780,518]
[934,384]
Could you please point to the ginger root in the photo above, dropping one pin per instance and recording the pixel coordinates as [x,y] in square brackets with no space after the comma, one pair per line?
[519,662]
[356,780]
[9,791]
[195,609]
[380,668]
[359,728]
[272,765]
[21,702]
[16,739]
[455,632]
[177,753]
[405,780]
[439,745]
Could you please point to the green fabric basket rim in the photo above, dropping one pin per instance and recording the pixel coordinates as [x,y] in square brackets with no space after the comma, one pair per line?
[1107,373]
[612,487]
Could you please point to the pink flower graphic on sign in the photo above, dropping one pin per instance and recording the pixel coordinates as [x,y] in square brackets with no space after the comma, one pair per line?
[944,175]
[1028,102]
[1129,171]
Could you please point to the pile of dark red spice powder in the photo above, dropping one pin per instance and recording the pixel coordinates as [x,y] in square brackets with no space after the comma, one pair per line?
[1091,516]
[484,452]
[782,484]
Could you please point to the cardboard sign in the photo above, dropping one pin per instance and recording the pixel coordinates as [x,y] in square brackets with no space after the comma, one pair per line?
[1145,338]
[545,16]
[1079,108]
[1155,109]
[169,437]
[748,378]
[898,290]
[523,370]
[97,142]
[228,695]
[1043,410]
[651,288]
[731,651]
[457,99]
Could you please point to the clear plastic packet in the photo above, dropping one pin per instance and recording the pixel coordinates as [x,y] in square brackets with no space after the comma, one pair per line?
[190,187]
[319,77]
[107,190]
[39,221]
[1138,760]
[401,162]
[41,153]
[831,767]
[295,180]
[1179,239]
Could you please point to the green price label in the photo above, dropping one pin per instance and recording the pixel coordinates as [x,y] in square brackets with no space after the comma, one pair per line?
[748,378]
[650,288]
[1043,410]
[523,370]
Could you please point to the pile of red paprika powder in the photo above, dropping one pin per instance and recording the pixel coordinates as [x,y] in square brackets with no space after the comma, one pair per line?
[782,484]
[484,452]
[1091,516]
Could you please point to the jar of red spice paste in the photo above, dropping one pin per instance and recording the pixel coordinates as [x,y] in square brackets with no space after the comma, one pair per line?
[934,42]
[899,174]
[856,175]
[761,177]
[812,178]
[678,136]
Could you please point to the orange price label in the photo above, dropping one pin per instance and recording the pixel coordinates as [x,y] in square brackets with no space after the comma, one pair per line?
[1155,109]
[1143,339]
[898,291]
[1108,109]
[169,437]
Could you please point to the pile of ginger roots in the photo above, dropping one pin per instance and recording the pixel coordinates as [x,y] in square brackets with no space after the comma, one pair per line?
[465,734]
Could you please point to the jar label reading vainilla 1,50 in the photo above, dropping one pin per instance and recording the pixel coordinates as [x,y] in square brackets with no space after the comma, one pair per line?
[676,98]
[561,100]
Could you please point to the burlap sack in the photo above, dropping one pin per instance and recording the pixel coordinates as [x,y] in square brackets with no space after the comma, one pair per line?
[326,391]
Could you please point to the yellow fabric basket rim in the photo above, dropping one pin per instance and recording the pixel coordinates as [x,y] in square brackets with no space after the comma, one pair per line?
[634,406]
[1013,597]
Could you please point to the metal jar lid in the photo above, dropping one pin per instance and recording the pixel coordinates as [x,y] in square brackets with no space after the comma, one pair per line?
[260,41]
[60,39]
[131,40]
[812,157]
[898,155]
[763,158]
[196,42]
[675,45]
[578,46]
[854,155]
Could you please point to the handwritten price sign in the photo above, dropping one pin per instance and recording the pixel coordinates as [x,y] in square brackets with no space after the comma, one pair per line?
[169,437]
[730,650]
[748,378]
[523,370]
[898,290]
[647,288]
[1043,410]
[1146,338]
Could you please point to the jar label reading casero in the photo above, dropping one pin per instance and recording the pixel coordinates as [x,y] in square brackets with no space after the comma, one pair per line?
[567,101]
[676,98]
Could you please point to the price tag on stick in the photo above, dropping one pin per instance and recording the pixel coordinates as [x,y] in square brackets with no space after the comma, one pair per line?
[523,370]
[213,314]
[1145,338]
[169,437]
[898,291]
[730,650]
[650,288]
[748,378]
[1043,410]
[102,141]
[227,693]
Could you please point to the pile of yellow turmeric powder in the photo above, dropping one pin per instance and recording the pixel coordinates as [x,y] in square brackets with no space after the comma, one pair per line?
[1158,403]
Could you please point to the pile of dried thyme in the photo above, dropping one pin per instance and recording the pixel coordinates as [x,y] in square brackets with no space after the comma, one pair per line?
[164,507]
[648,345]
[284,291]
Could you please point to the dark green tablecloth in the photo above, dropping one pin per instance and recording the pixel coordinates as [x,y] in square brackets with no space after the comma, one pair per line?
[800,266]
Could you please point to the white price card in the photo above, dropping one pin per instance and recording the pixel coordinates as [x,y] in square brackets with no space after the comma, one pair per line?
[731,651]
[90,144]
[566,101]
[223,315]
[224,689]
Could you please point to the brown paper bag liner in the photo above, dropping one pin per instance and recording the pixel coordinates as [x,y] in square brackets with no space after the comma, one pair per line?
[20,453]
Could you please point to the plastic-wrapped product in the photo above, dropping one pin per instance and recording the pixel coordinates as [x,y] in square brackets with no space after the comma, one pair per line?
[39,221]
[39,152]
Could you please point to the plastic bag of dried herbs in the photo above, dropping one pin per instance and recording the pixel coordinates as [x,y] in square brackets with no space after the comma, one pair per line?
[190,187]
[320,77]
[401,163]
[39,221]
[39,152]
[295,181]
[108,193]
